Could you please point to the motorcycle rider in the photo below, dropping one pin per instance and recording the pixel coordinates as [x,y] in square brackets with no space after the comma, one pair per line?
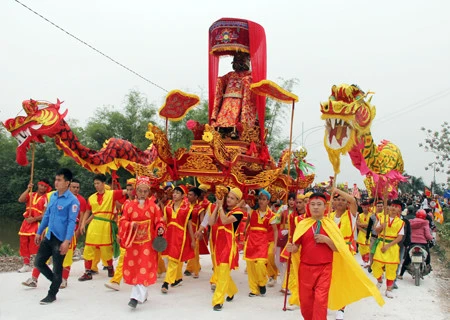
[420,234]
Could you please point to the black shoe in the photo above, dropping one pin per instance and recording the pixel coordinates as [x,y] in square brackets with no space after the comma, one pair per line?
[86,276]
[133,303]
[369,269]
[187,273]
[105,267]
[165,287]
[229,299]
[110,271]
[177,283]
[251,295]
[217,307]
[262,290]
[48,299]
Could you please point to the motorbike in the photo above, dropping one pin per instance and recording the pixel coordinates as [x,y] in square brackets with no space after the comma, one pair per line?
[418,267]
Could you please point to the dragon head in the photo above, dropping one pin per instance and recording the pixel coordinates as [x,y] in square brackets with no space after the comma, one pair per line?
[348,117]
[43,119]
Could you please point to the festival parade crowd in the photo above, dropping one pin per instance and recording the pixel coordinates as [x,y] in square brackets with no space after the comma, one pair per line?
[306,245]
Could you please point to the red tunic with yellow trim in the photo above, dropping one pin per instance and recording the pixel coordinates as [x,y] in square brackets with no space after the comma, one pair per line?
[196,210]
[225,240]
[391,255]
[140,262]
[294,220]
[257,241]
[35,208]
[177,235]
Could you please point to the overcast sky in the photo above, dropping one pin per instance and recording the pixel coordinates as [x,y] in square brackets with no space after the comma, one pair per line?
[398,49]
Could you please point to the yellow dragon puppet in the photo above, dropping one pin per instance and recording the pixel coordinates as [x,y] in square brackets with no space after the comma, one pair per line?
[348,119]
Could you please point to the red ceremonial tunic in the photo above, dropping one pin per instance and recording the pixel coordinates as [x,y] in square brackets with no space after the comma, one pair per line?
[225,240]
[257,240]
[178,238]
[140,262]
[196,210]
[35,208]
[83,206]
[294,219]
[314,253]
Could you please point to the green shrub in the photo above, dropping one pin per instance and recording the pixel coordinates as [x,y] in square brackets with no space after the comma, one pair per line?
[7,251]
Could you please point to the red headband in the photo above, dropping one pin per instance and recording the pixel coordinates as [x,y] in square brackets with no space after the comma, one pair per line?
[49,188]
[320,198]
[143,180]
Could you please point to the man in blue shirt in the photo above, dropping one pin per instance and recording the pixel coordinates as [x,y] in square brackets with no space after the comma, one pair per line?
[59,218]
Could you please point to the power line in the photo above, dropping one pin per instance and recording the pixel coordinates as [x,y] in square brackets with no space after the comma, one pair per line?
[416,105]
[92,47]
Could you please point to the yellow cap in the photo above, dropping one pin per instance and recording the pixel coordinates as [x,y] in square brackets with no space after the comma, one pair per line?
[204,187]
[131,181]
[237,192]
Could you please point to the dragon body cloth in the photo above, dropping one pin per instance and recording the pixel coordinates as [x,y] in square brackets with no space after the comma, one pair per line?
[349,117]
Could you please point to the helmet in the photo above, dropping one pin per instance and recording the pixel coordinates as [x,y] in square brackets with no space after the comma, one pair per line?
[421,214]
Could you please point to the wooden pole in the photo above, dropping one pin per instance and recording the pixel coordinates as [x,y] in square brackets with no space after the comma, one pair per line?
[287,281]
[287,197]
[331,195]
[167,126]
[33,151]
[385,200]
[290,146]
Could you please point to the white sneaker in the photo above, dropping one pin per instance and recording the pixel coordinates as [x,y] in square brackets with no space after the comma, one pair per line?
[63,284]
[271,282]
[379,285]
[292,307]
[340,315]
[31,283]
[112,285]
[25,268]
[389,294]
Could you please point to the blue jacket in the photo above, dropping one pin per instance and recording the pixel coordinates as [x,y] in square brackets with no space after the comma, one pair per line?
[60,216]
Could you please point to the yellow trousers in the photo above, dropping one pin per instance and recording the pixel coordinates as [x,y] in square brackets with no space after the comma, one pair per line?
[213,278]
[272,270]
[224,285]
[118,273]
[96,260]
[293,279]
[257,275]
[161,264]
[363,249]
[193,265]
[174,271]
[390,269]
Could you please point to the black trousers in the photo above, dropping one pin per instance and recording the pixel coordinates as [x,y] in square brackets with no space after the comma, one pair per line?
[47,249]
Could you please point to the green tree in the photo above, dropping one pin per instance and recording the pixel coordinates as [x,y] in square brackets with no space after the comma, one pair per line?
[413,185]
[277,116]
[130,125]
[179,135]
[438,142]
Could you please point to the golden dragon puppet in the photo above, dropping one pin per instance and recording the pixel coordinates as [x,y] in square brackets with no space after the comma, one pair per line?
[349,117]
[45,119]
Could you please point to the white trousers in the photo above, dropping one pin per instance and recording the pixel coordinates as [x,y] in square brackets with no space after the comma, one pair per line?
[139,292]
